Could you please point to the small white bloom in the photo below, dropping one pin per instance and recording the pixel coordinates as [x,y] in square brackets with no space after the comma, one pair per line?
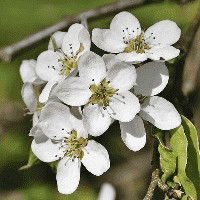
[103,92]
[28,73]
[60,135]
[54,66]
[134,45]
[107,192]
[151,80]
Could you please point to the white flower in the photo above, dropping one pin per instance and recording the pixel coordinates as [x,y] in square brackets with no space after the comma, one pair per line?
[151,80]
[29,89]
[133,45]
[104,93]
[60,135]
[54,66]
[107,192]
[28,73]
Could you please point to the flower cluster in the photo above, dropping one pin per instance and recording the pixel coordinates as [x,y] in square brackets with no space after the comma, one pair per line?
[73,93]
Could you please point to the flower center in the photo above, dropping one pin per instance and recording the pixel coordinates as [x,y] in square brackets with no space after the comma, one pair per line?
[75,145]
[70,62]
[138,45]
[101,93]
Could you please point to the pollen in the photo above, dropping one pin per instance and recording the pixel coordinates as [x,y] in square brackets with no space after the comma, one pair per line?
[75,145]
[138,45]
[101,93]
[70,63]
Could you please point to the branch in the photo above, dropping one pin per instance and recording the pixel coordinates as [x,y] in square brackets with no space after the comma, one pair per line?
[7,52]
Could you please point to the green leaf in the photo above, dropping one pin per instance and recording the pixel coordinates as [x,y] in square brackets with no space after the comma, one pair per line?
[184,197]
[167,162]
[172,184]
[193,162]
[33,160]
[179,146]
[54,165]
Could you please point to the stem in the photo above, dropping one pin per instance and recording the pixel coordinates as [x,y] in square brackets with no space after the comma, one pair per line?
[153,184]
[7,52]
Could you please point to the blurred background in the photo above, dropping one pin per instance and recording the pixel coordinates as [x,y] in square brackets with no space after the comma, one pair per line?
[130,172]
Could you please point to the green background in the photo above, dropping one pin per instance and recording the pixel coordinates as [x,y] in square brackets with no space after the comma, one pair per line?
[19,19]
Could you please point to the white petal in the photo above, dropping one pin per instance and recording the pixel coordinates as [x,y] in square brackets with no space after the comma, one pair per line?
[96,158]
[35,118]
[58,37]
[124,23]
[28,73]
[132,57]
[110,60]
[161,113]
[121,76]
[164,32]
[55,120]
[36,130]
[152,78]
[68,175]
[92,67]
[74,91]
[162,53]
[47,66]
[84,38]
[46,150]
[71,42]
[46,91]
[78,126]
[123,107]
[108,40]
[95,120]
[29,97]
[107,192]
[133,133]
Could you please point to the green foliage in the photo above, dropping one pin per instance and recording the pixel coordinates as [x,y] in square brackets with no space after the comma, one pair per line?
[33,160]
[182,162]
[54,165]
[179,146]
[193,162]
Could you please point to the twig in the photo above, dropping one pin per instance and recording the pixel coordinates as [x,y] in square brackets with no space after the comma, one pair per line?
[153,184]
[7,52]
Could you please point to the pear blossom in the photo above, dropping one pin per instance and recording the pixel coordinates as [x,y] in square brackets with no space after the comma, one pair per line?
[55,64]
[28,72]
[103,91]
[29,89]
[60,135]
[133,44]
[152,78]
[30,80]
[107,192]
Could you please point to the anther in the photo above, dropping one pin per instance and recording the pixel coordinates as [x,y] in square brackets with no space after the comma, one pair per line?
[92,79]
[112,110]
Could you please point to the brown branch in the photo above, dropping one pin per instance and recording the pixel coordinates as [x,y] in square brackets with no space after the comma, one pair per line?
[7,52]
[186,39]
[153,184]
